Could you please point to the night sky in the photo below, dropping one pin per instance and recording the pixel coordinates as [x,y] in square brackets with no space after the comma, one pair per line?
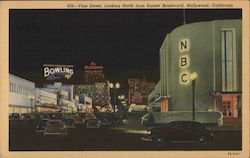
[125,42]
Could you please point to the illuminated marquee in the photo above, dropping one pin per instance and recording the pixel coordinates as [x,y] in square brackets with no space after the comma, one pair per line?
[54,71]
[184,61]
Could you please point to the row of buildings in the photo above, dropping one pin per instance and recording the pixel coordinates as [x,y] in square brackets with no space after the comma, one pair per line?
[25,97]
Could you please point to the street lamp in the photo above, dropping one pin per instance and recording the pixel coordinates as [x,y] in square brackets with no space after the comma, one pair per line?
[114,87]
[193,77]
[120,97]
[31,98]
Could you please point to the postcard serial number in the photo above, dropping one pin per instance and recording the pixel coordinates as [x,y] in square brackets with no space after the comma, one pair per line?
[233,153]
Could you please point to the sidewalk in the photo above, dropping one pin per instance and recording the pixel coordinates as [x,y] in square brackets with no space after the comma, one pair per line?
[133,124]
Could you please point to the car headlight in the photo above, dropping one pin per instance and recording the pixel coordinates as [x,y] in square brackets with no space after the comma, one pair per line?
[148,132]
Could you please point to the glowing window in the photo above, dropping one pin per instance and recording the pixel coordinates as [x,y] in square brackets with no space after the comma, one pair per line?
[229,61]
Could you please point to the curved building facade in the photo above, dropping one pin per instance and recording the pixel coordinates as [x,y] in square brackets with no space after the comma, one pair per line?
[213,51]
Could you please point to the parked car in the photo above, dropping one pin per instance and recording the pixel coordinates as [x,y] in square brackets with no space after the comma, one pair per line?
[79,120]
[93,123]
[54,116]
[106,122]
[105,118]
[179,131]
[36,116]
[69,123]
[81,114]
[44,116]
[55,127]
[41,125]
[14,116]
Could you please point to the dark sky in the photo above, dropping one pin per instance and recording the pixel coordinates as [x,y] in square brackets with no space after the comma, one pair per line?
[125,42]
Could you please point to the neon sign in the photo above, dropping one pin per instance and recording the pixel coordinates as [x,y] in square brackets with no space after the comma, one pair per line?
[184,61]
[54,71]
[93,66]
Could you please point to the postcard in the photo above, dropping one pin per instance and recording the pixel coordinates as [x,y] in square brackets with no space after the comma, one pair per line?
[124,79]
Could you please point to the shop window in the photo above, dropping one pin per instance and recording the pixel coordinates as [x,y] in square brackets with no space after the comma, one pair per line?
[226,108]
[11,87]
[229,62]
[14,88]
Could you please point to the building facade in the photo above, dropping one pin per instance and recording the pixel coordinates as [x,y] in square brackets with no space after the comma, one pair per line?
[98,92]
[65,96]
[21,95]
[213,50]
[85,103]
[93,73]
[139,90]
[46,101]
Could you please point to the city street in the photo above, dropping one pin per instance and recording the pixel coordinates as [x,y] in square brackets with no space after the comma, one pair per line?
[96,79]
[115,138]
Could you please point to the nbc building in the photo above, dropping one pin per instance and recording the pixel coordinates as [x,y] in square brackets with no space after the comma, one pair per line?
[205,58]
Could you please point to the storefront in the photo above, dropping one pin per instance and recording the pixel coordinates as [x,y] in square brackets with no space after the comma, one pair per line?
[46,101]
[47,108]
[21,95]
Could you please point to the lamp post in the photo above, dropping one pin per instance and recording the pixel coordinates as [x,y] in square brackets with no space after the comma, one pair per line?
[120,97]
[31,98]
[193,77]
[114,87]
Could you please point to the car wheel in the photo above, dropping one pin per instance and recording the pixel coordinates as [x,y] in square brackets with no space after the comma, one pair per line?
[160,141]
[203,140]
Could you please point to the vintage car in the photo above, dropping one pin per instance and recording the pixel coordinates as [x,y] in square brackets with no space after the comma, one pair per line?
[14,116]
[41,125]
[93,123]
[105,118]
[79,120]
[69,122]
[179,131]
[55,127]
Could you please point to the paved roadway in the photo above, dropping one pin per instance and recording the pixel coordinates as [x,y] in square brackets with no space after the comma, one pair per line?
[117,138]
